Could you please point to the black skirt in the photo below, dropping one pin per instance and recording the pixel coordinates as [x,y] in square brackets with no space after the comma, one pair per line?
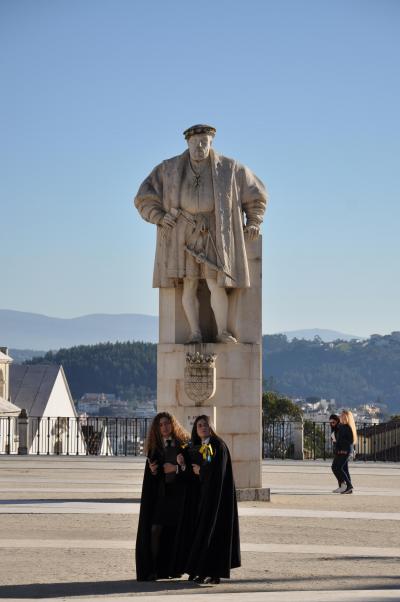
[168,506]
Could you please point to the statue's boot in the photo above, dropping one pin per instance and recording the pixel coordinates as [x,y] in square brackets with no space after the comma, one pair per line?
[194,338]
[225,337]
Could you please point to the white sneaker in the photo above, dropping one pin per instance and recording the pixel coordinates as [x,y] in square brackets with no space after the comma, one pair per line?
[340,489]
[347,490]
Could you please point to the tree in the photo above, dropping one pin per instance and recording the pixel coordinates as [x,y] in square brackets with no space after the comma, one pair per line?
[128,370]
[349,372]
[277,407]
[279,414]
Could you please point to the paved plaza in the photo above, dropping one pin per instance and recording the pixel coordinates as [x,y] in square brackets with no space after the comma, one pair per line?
[68,528]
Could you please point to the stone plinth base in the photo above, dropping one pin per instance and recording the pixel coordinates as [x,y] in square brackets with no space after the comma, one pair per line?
[254,494]
[235,408]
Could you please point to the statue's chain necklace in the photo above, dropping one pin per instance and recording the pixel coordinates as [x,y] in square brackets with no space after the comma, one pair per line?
[197,174]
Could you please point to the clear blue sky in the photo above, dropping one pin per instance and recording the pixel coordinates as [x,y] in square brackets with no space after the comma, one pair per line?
[95,93]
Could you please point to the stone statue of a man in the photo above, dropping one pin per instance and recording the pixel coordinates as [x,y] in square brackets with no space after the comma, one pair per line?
[198,201]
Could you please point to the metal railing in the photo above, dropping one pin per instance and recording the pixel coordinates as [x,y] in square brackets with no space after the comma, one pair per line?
[317,440]
[70,436]
[90,436]
[376,442]
[109,436]
[8,435]
[379,442]
[277,439]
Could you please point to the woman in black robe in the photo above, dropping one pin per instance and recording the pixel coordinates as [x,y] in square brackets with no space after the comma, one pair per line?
[215,548]
[165,517]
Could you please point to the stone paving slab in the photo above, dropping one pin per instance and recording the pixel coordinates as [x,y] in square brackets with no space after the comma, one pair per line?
[259,530]
[313,490]
[93,507]
[87,490]
[112,544]
[76,540]
[45,573]
[292,596]
[134,488]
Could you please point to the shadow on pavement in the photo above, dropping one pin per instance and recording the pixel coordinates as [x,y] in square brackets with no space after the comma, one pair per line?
[130,586]
[92,588]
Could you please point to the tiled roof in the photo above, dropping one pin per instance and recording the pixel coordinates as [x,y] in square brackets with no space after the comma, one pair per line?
[31,386]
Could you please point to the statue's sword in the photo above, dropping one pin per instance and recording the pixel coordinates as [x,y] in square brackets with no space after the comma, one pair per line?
[199,257]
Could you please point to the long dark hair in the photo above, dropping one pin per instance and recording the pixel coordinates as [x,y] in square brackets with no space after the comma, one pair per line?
[195,438]
[154,440]
[337,419]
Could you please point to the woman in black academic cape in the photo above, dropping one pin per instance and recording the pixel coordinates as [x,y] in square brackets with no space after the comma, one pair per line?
[165,516]
[215,548]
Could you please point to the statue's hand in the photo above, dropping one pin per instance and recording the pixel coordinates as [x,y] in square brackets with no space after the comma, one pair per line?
[168,221]
[252,232]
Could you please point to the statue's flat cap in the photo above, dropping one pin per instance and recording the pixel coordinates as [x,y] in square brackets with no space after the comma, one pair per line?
[200,128]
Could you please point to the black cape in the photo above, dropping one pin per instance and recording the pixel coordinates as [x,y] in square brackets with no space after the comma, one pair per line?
[216,544]
[175,540]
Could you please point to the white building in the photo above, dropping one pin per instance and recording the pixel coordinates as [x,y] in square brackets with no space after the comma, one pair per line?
[8,411]
[42,390]
[5,361]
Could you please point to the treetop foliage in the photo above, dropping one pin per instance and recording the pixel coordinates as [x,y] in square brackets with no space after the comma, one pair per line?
[353,373]
[129,370]
[277,407]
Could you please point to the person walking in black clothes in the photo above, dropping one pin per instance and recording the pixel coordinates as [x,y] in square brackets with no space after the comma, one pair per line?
[164,521]
[346,439]
[334,422]
[215,548]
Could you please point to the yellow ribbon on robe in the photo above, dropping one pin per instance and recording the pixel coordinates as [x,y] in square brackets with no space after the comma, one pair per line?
[206,451]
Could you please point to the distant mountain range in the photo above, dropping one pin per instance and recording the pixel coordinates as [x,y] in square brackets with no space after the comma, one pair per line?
[325,335]
[29,331]
[23,330]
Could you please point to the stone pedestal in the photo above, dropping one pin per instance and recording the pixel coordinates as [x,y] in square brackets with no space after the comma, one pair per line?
[235,407]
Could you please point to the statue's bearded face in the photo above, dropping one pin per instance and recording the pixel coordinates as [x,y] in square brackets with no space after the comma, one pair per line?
[199,146]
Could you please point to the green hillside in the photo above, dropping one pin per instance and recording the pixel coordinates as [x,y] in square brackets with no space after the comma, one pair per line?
[129,370]
[351,372]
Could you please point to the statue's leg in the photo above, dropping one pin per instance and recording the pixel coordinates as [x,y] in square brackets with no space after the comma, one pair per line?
[191,307]
[220,305]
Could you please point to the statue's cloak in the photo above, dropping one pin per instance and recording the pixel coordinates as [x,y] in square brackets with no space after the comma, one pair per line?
[237,192]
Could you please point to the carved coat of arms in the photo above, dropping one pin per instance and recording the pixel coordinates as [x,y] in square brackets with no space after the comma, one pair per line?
[200,376]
